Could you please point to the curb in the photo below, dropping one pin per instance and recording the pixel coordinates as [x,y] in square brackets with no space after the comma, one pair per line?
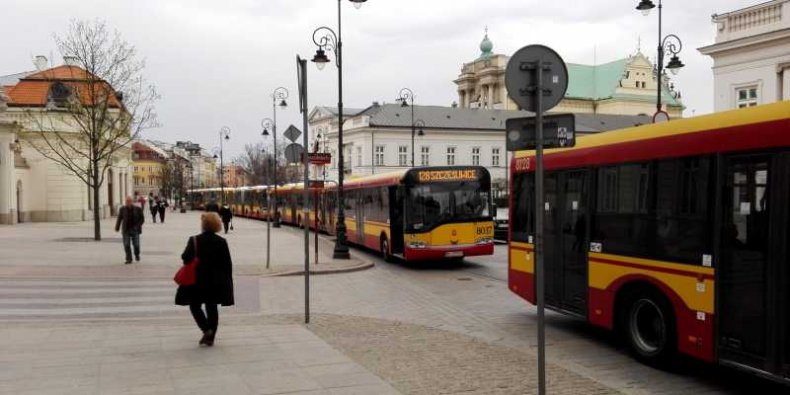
[326,240]
[355,268]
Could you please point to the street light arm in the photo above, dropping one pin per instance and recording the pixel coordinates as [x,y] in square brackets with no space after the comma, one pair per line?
[405,95]
[326,39]
[280,93]
[671,45]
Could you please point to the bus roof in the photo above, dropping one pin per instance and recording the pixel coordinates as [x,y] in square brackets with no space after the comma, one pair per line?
[741,129]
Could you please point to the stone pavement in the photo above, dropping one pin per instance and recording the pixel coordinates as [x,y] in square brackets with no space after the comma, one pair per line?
[163,358]
[68,249]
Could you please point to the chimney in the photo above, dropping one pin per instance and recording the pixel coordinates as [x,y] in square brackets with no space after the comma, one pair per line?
[71,61]
[40,62]
[375,104]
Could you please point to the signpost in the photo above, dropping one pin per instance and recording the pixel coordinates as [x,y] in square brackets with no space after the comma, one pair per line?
[559,131]
[536,79]
[301,76]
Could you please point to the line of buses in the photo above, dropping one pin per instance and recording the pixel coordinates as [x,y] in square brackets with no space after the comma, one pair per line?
[676,235]
[416,214]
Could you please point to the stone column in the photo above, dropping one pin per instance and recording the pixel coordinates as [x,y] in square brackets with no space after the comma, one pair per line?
[7,181]
[786,81]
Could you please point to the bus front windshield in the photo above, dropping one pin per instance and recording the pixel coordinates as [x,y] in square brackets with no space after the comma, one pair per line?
[430,205]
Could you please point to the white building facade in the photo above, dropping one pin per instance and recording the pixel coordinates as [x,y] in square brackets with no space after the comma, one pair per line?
[34,188]
[378,139]
[751,55]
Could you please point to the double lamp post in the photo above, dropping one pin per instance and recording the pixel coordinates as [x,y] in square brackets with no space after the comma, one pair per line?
[669,45]
[327,40]
[406,99]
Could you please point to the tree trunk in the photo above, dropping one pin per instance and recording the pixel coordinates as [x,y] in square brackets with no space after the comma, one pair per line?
[96,203]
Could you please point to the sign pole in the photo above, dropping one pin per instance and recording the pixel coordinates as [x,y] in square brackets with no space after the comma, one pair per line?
[268,226]
[315,205]
[539,211]
[301,66]
[526,86]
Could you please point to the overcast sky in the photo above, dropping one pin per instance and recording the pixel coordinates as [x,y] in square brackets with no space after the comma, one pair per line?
[216,62]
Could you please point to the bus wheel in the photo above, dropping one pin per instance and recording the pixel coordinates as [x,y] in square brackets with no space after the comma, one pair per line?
[385,250]
[649,326]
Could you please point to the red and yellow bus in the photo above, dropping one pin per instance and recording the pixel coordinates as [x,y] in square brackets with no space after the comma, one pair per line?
[418,214]
[675,234]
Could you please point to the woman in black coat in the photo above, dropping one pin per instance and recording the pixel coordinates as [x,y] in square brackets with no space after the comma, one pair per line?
[214,284]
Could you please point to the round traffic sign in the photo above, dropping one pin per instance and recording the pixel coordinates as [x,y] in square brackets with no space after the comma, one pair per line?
[294,152]
[521,77]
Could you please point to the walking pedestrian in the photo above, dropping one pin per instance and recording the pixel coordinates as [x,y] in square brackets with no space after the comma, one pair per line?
[226,216]
[153,205]
[214,279]
[162,207]
[140,201]
[130,223]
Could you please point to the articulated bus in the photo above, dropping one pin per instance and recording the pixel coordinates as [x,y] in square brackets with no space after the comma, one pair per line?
[675,234]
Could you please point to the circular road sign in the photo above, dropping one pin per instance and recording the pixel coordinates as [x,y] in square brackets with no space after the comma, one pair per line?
[294,152]
[521,77]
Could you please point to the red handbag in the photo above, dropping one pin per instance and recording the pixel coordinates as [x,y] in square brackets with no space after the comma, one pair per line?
[186,274]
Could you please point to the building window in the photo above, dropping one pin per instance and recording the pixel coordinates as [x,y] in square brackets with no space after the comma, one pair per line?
[359,156]
[425,155]
[403,152]
[746,97]
[475,156]
[495,157]
[379,155]
[450,156]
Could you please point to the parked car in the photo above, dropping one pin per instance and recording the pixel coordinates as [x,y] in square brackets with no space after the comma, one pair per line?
[501,224]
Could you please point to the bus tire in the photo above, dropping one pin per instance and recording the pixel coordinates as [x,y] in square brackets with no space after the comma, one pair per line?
[385,249]
[648,323]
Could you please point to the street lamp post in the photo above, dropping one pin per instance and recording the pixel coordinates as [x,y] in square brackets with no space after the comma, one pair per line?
[224,134]
[669,45]
[266,123]
[326,39]
[279,94]
[406,98]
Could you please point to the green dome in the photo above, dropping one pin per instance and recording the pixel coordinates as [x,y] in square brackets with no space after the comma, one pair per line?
[486,46]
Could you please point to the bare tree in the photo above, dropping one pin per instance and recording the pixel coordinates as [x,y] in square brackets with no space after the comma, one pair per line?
[172,179]
[94,113]
[258,160]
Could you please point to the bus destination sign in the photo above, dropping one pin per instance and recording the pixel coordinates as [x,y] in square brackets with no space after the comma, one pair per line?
[447,175]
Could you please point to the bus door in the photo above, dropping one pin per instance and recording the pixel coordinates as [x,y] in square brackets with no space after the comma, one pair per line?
[566,240]
[360,195]
[397,219]
[753,306]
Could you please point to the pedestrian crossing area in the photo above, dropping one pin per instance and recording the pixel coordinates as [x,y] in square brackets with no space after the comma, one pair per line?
[41,299]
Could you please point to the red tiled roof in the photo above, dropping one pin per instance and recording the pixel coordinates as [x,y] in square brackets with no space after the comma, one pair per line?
[33,90]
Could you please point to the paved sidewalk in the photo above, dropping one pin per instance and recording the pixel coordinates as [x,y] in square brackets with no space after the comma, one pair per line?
[67,250]
[164,358]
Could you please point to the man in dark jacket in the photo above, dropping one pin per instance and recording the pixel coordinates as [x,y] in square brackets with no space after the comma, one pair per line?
[130,223]
[226,215]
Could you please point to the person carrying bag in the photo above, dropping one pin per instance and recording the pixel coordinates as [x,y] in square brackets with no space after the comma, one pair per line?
[209,257]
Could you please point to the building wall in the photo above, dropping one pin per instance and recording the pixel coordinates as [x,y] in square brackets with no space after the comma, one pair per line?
[148,177]
[437,141]
[751,50]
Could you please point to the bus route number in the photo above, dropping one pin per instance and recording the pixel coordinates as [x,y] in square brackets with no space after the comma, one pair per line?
[485,230]
[523,164]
